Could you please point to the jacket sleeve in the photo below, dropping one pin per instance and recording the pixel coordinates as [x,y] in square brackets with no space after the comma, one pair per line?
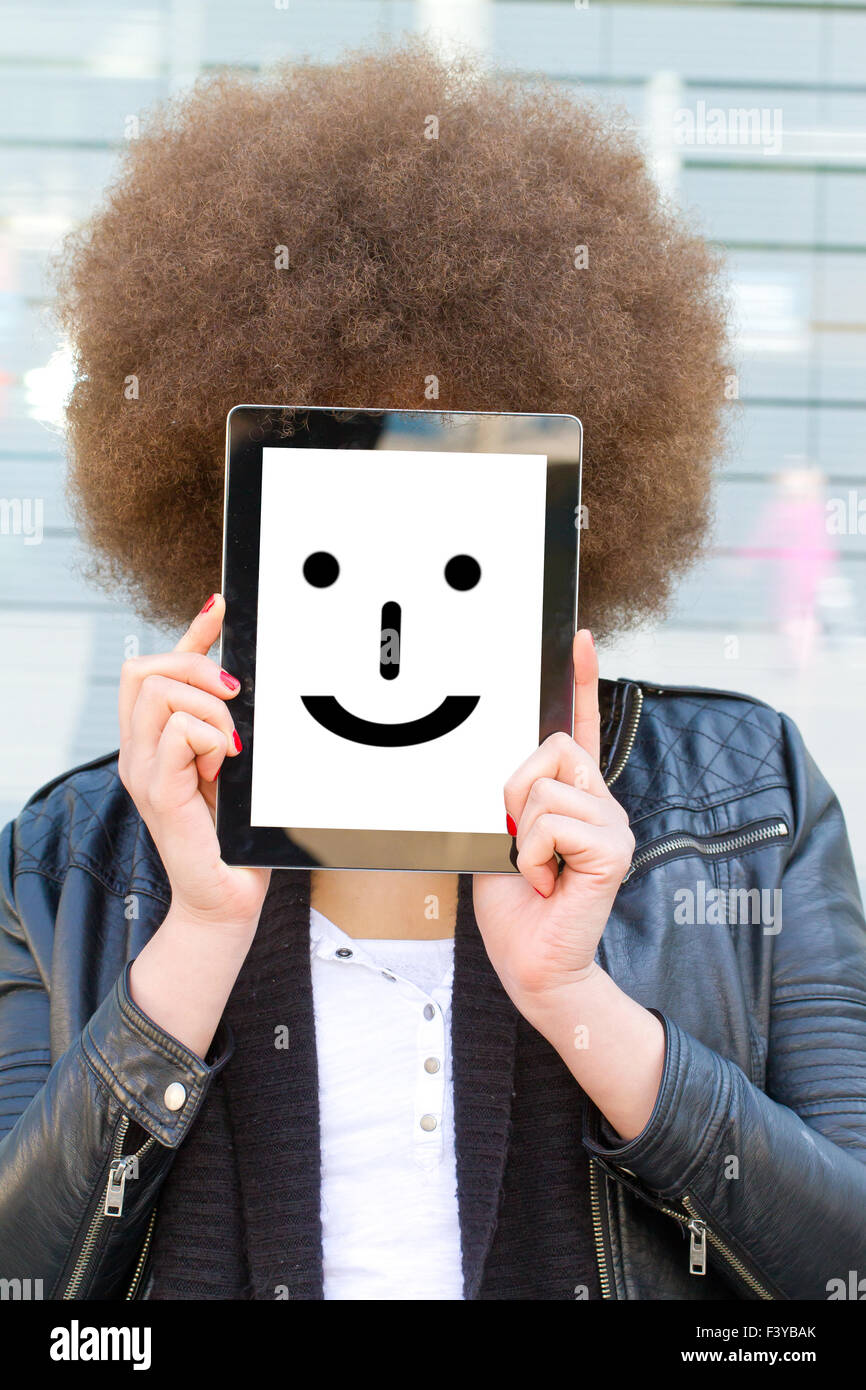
[790,1214]
[63,1127]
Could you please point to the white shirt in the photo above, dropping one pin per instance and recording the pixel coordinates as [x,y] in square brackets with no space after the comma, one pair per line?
[390,1227]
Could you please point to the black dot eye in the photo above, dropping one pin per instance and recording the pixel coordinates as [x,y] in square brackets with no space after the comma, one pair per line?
[462,572]
[321,569]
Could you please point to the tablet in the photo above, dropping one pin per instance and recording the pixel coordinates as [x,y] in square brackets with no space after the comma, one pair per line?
[401,593]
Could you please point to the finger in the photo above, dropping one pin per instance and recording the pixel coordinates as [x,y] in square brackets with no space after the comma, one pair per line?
[204,629]
[191,667]
[587,723]
[161,697]
[549,797]
[559,757]
[184,740]
[578,843]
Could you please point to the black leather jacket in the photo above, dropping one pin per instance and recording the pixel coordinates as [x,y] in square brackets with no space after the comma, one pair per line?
[756,1145]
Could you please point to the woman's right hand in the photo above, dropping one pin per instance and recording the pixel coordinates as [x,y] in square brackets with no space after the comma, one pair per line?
[175,731]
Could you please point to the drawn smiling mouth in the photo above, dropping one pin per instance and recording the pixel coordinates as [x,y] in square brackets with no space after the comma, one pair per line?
[327,711]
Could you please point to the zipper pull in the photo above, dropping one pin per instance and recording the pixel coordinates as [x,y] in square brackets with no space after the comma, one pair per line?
[697,1246]
[117,1175]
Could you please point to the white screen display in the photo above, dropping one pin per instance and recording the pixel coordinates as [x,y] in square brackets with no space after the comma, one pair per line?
[395,690]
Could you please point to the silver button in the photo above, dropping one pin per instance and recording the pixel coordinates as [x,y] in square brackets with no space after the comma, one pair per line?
[429,1011]
[344,952]
[175,1095]
[432,1064]
[428,1122]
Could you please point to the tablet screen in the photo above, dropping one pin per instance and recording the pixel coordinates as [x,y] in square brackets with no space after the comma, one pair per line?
[398,662]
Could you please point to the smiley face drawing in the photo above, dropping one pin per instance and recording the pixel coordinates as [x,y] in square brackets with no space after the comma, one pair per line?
[322,569]
[398,653]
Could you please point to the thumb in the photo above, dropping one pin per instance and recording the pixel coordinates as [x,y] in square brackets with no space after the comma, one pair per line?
[204,629]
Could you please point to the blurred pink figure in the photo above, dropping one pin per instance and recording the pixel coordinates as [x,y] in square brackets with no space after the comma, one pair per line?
[792,533]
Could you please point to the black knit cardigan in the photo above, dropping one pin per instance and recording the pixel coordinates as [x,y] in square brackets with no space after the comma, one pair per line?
[239,1212]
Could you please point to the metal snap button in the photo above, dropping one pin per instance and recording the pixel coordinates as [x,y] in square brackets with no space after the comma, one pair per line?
[428,1122]
[432,1064]
[175,1095]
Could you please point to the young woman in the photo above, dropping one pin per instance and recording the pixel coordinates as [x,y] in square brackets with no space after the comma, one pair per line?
[220,1083]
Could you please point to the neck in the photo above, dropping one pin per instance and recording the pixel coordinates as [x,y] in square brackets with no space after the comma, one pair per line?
[386,906]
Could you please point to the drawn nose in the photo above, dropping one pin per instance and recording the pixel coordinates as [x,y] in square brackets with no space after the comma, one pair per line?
[389,641]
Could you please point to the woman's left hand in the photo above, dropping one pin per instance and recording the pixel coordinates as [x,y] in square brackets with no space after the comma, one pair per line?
[541,928]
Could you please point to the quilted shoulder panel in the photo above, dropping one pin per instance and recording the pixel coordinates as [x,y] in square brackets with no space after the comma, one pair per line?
[87,819]
[696,747]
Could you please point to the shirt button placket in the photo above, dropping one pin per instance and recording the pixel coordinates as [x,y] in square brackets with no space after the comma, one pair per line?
[430,1090]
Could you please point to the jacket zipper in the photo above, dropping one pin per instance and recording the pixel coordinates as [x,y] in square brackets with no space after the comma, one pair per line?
[110,1206]
[598,1233]
[699,1234]
[133,1288]
[630,738]
[717,844]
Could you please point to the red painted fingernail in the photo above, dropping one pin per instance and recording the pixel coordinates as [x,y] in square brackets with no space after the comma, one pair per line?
[210,603]
[510,826]
[238,745]
[591,638]
[539,892]
[217,773]
[231,681]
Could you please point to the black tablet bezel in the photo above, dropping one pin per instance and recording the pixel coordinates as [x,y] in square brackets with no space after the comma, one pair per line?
[250,429]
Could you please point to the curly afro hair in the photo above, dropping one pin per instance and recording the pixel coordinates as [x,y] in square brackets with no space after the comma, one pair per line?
[409,252]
